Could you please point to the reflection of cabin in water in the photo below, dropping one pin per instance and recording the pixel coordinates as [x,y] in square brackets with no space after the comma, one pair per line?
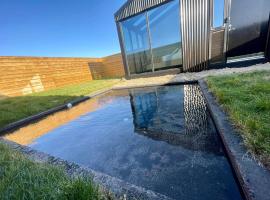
[177,116]
[188,35]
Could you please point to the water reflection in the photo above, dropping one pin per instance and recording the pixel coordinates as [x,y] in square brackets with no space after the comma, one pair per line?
[26,135]
[160,138]
[178,116]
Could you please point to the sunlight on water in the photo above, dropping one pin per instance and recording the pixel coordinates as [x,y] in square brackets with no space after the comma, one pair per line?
[159,138]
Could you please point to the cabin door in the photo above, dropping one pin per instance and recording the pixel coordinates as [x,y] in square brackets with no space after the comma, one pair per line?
[246,27]
[267,51]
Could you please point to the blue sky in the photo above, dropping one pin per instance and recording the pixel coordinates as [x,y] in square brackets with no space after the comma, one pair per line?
[63,28]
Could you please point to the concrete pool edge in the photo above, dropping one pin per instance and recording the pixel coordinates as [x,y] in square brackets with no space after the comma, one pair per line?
[254,178]
[120,188]
[157,85]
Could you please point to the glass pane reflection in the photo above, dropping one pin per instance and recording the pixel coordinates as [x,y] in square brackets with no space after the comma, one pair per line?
[164,23]
[218,13]
[152,40]
[178,116]
[137,46]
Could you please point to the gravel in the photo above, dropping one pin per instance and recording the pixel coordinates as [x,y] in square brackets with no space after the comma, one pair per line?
[189,76]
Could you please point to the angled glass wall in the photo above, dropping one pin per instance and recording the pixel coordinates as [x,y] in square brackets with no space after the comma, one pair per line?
[137,47]
[152,39]
[164,24]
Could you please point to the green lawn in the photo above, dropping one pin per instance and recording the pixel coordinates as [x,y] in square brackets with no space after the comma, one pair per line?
[22,179]
[16,108]
[246,97]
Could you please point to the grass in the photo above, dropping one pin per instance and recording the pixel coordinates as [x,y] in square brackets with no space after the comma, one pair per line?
[21,178]
[16,108]
[246,97]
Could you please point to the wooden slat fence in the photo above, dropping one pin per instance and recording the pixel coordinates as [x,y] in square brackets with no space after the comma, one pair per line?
[26,75]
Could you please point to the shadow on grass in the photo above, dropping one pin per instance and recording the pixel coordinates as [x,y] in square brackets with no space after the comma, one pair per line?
[240,64]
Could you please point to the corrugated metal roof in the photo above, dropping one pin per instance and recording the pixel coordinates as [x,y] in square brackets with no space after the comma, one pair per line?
[133,7]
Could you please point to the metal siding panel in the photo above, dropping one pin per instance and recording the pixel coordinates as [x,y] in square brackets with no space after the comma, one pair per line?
[188,39]
[196,44]
[203,33]
[183,30]
[195,23]
[200,33]
[192,32]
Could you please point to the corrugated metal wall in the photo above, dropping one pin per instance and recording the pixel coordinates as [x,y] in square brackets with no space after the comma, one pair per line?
[195,25]
[133,7]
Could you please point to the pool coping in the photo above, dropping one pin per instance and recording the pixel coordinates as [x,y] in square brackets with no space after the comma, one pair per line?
[157,84]
[253,177]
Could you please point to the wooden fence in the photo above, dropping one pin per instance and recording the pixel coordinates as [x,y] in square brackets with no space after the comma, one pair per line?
[108,67]
[26,75]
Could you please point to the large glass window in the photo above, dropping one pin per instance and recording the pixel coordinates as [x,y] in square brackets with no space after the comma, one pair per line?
[164,23]
[152,40]
[137,47]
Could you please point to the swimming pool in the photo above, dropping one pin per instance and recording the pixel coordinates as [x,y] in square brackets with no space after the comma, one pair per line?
[159,138]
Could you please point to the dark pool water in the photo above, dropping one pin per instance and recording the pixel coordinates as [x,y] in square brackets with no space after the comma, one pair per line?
[160,138]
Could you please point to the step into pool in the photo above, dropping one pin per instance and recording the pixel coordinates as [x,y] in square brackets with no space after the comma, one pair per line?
[160,138]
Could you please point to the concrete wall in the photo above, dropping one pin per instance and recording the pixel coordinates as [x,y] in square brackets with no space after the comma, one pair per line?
[26,75]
